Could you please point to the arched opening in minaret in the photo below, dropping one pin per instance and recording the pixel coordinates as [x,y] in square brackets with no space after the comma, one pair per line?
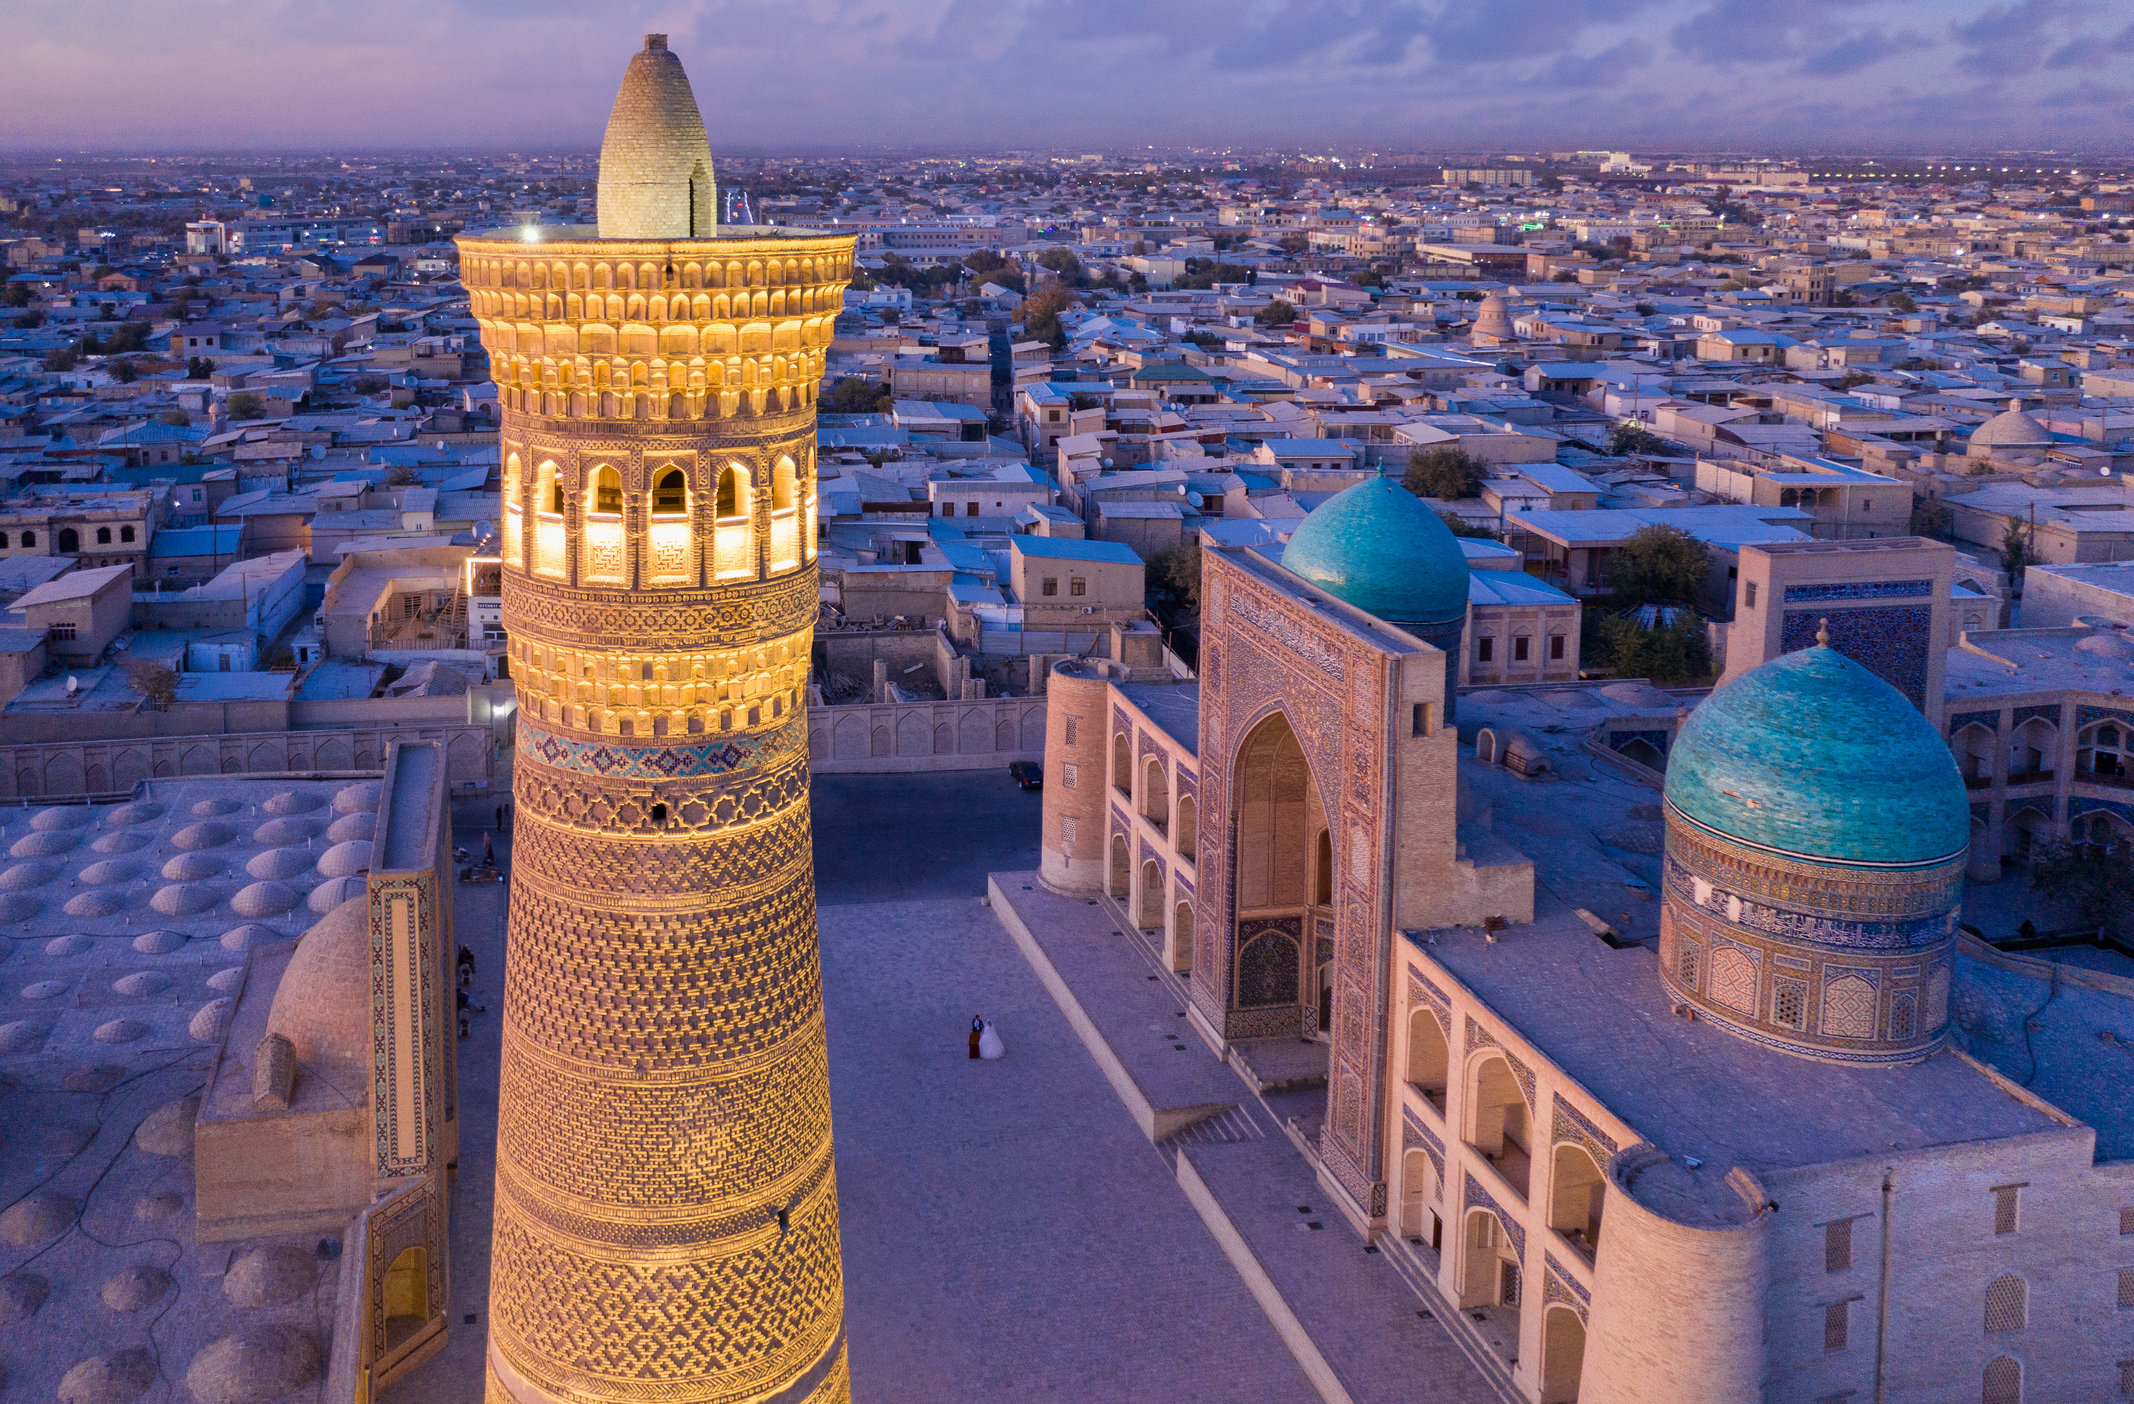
[733,535]
[602,529]
[551,553]
[671,557]
[785,515]
[703,203]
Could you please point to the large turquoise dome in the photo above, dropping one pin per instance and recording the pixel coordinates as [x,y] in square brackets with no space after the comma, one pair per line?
[1378,547]
[1814,756]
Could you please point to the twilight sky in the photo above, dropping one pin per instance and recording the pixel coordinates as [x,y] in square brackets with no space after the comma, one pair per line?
[1928,75]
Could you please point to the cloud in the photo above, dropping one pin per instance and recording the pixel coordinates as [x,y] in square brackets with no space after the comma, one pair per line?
[1760,31]
[2009,40]
[1602,70]
[2090,51]
[1851,55]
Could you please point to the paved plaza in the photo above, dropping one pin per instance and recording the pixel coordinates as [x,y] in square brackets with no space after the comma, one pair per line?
[1008,1232]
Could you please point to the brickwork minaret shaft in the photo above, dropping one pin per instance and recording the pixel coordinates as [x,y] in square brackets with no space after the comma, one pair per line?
[666,1201]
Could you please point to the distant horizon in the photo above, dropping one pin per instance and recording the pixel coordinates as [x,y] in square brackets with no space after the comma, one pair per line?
[943,77]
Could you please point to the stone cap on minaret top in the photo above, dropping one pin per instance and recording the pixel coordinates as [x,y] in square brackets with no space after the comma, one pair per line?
[655,161]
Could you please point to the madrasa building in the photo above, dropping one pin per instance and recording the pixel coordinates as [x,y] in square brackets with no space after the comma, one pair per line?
[1762,1124]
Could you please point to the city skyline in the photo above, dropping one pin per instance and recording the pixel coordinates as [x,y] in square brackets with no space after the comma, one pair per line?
[1388,74]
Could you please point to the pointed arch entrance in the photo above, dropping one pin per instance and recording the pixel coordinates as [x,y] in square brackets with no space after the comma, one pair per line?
[1280,827]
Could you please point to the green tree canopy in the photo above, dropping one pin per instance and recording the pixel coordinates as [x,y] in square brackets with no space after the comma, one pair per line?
[1173,578]
[246,405]
[855,395]
[1672,655]
[1447,474]
[1661,564]
[1634,438]
[1275,314]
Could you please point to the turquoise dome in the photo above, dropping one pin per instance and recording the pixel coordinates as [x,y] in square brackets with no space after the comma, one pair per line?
[1378,547]
[1813,755]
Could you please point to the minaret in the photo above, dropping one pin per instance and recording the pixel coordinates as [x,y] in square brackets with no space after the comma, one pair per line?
[666,1203]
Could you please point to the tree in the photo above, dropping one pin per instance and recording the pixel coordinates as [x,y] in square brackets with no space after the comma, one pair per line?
[1173,578]
[2092,878]
[1661,564]
[198,367]
[1902,302]
[1630,439]
[399,475]
[156,682]
[1448,474]
[30,321]
[856,395]
[246,405]
[66,358]
[1275,314]
[1460,528]
[122,371]
[1676,653]
[1930,516]
[2015,554]
[177,419]
[1041,315]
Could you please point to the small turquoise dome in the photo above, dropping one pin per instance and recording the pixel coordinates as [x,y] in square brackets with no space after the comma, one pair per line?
[1377,547]
[1813,755]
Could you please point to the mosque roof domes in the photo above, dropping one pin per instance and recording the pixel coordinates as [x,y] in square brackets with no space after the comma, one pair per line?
[655,162]
[1378,547]
[1493,318]
[323,1004]
[1814,756]
[2012,428]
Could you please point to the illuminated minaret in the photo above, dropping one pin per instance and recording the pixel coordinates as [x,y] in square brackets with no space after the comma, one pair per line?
[666,1203]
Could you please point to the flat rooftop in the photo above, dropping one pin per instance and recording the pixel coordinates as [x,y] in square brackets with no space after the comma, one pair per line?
[1173,707]
[2010,661]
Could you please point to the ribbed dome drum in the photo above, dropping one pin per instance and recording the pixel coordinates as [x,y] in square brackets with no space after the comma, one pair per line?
[1816,836]
[655,161]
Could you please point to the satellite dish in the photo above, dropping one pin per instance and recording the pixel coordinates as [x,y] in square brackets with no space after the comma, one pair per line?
[74,684]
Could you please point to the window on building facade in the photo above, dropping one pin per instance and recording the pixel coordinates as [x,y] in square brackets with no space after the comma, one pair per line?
[1837,1326]
[2126,1289]
[1519,646]
[1076,585]
[125,533]
[62,631]
[1556,648]
[1068,774]
[1074,724]
[1837,1245]
[2007,1208]
[29,538]
[2007,1303]
[1485,649]
[103,536]
[2126,1222]
[1050,587]
[2003,1382]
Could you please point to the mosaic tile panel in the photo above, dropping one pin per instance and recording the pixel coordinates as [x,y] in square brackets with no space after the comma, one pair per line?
[1892,642]
[1860,590]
